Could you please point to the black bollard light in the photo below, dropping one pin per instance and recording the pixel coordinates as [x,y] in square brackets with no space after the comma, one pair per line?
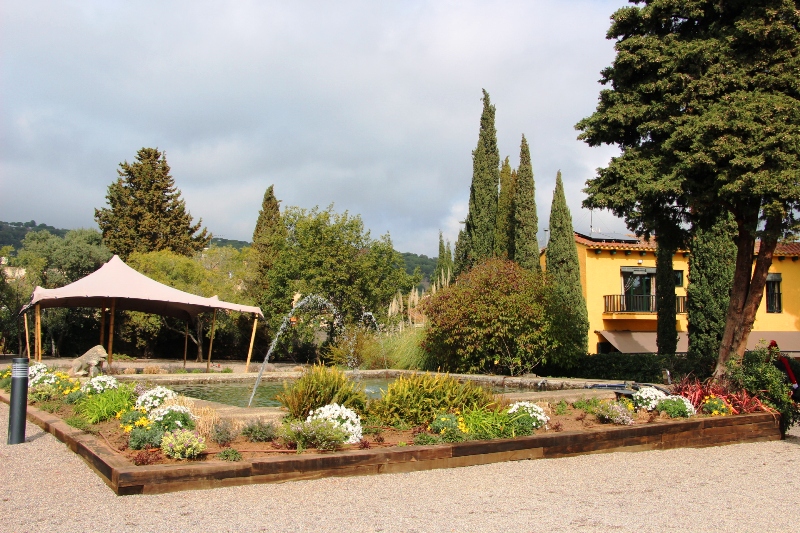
[18,409]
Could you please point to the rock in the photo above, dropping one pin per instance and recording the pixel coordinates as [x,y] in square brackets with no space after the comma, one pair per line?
[90,363]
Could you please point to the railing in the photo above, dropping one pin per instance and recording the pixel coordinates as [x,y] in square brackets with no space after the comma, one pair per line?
[628,303]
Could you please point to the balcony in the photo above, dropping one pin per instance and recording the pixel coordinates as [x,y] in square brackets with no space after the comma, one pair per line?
[628,303]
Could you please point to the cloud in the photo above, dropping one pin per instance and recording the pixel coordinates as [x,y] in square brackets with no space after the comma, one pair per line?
[373,106]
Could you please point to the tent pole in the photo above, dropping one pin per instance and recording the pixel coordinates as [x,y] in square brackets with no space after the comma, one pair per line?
[211,341]
[111,332]
[27,336]
[38,333]
[185,343]
[102,326]
[252,340]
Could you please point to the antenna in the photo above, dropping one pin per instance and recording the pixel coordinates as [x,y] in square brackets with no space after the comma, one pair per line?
[591,221]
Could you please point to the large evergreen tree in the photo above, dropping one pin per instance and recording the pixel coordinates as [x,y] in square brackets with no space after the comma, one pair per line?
[269,238]
[526,221]
[568,305]
[711,264]
[146,212]
[504,234]
[482,215]
[704,101]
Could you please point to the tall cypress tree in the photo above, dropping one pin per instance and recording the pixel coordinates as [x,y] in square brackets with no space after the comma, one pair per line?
[482,215]
[269,238]
[568,306]
[526,221]
[146,212]
[504,233]
[711,265]
[441,261]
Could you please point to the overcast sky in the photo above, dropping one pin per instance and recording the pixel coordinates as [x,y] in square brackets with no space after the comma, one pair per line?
[371,106]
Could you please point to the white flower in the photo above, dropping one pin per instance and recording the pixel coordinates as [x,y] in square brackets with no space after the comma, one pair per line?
[158,414]
[647,398]
[151,399]
[36,374]
[532,410]
[99,384]
[345,418]
[689,407]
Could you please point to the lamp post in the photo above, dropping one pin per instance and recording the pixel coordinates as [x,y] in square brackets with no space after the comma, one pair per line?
[18,408]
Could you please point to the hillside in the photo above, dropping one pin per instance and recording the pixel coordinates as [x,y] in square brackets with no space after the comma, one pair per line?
[12,233]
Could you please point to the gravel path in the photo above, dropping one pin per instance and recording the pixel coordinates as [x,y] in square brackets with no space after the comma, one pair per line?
[745,487]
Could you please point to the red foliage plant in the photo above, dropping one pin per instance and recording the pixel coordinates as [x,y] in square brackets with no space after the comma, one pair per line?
[740,401]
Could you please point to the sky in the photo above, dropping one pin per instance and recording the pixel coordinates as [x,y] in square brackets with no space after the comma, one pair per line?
[371,106]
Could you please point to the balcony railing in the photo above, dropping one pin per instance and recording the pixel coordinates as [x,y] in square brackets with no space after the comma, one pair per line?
[627,303]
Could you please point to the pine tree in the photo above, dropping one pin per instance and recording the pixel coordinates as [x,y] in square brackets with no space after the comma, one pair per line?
[526,221]
[504,234]
[269,238]
[568,305]
[479,228]
[711,265]
[146,212]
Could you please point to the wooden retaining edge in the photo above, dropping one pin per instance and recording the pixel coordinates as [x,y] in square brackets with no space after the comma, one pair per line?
[125,478]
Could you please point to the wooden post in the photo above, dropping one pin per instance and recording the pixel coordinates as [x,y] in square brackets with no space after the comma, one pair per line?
[211,341]
[252,340]
[111,331]
[27,336]
[102,326]
[185,343]
[38,333]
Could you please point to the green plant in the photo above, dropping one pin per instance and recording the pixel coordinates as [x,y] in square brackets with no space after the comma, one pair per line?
[76,421]
[50,406]
[182,444]
[675,407]
[319,433]
[319,386]
[715,406]
[561,408]
[449,427]
[229,454]
[43,393]
[259,431]
[99,407]
[227,370]
[172,417]
[425,439]
[74,397]
[587,405]
[614,413]
[493,319]
[223,432]
[414,400]
[142,438]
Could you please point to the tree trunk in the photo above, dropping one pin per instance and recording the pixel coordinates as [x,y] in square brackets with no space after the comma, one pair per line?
[199,340]
[747,291]
[667,334]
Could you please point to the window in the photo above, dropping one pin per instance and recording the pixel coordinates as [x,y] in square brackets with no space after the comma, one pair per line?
[678,278]
[774,293]
[638,289]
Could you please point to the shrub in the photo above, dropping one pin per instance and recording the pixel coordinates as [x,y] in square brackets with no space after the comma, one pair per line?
[145,458]
[676,407]
[182,444]
[154,397]
[133,418]
[426,439]
[530,410]
[415,400]
[493,319]
[449,427]
[172,417]
[142,438]
[319,433]
[647,398]
[259,431]
[74,397]
[561,408]
[229,454]
[43,392]
[100,384]
[587,405]
[715,406]
[319,386]
[99,407]
[223,433]
[345,418]
[615,413]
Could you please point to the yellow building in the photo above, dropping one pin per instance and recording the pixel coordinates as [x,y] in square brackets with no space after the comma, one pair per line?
[618,280]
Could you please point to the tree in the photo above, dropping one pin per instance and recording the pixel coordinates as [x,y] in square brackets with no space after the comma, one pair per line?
[146,212]
[705,105]
[526,221]
[269,238]
[494,319]
[570,316]
[444,263]
[711,264]
[504,234]
[481,219]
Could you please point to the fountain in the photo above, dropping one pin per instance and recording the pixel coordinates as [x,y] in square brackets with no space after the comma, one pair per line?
[312,301]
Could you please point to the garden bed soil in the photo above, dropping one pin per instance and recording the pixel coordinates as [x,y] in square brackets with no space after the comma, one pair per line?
[571,433]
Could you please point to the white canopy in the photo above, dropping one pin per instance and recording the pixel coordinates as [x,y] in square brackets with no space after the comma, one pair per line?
[133,292]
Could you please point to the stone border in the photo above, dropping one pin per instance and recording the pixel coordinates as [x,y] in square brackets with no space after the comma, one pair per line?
[125,478]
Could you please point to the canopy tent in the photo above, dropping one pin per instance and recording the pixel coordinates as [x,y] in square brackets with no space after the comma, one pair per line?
[645,341]
[115,285]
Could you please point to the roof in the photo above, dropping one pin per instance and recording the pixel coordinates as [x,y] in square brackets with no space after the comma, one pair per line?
[645,341]
[631,242]
[133,292]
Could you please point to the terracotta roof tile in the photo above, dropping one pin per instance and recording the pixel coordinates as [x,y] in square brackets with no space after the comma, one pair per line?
[789,249]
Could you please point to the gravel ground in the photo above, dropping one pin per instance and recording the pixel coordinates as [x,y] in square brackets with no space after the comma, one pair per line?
[744,487]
